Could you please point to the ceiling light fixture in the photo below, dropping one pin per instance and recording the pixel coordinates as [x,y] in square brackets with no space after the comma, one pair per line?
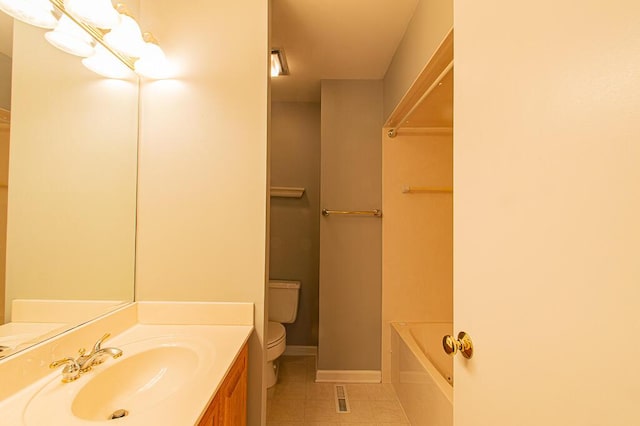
[279,64]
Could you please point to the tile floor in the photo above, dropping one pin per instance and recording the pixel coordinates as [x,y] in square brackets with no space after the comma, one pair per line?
[296,400]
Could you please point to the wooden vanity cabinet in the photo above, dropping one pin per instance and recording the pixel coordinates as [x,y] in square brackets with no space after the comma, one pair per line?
[229,406]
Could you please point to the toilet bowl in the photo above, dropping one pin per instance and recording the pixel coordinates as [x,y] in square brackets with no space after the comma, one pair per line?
[283,308]
[276,344]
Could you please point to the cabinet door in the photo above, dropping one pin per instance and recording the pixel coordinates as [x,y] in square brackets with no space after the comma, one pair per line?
[233,394]
[211,417]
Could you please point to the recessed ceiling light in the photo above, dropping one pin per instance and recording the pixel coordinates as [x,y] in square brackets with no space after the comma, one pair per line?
[278,63]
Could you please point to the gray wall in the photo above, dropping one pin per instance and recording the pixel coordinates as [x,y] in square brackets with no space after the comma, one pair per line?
[295,234]
[350,247]
[5,81]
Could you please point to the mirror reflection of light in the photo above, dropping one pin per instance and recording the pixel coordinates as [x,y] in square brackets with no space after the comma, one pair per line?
[104,63]
[126,37]
[35,12]
[70,38]
[99,13]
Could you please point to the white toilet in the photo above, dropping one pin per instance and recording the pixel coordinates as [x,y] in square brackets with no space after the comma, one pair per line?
[283,308]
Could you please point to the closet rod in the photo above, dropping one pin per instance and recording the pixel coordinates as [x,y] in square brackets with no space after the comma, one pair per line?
[392,132]
[427,189]
[375,212]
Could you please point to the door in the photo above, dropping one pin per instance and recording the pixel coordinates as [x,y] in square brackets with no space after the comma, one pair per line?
[547,212]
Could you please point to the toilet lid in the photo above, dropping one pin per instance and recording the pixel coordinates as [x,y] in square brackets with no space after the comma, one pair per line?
[275,333]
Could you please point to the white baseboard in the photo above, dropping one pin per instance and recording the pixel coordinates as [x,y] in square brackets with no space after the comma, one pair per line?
[300,350]
[348,376]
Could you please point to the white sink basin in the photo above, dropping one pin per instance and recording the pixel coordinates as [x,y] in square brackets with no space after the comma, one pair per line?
[139,382]
[145,379]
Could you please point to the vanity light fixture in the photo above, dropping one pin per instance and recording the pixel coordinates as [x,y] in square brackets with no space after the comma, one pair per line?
[69,37]
[126,37]
[97,13]
[35,12]
[153,62]
[104,63]
[278,63]
[119,46]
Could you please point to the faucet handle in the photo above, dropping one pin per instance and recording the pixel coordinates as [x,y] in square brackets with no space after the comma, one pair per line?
[99,343]
[63,361]
[71,370]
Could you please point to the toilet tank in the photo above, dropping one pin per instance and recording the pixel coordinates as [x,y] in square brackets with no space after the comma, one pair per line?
[283,300]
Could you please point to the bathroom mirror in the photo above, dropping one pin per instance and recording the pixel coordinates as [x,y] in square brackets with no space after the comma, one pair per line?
[70,195]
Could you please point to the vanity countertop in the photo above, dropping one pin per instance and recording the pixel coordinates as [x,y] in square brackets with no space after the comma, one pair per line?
[201,355]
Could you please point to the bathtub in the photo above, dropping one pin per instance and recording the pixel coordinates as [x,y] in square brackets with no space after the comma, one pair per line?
[422,373]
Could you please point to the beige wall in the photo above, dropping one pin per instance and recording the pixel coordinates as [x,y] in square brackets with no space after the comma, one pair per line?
[295,222]
[5,81]
[547,208]
[203,163]
[350,269]
[431,21]
[71,216]
[417,234]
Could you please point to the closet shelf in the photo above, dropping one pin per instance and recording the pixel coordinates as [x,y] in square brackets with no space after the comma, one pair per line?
[428,104]
[286,192]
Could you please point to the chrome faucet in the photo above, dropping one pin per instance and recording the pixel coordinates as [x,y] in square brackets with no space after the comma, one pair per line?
[75,367]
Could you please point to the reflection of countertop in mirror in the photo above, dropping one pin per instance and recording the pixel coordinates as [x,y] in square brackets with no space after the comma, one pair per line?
[15,336]
[67,311]
[36,320]
[216,331]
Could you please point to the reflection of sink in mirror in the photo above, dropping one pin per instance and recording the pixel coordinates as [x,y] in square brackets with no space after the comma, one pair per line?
[149,373]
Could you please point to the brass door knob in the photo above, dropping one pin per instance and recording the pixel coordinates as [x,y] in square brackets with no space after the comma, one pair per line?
[463,344]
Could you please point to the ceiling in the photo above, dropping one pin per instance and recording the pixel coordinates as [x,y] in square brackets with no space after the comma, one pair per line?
[322,39]
[6,34]
[334,39]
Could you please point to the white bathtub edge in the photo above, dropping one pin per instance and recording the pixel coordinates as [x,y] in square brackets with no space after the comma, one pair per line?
[445,387]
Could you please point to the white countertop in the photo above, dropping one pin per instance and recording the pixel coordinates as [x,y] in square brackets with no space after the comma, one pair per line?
[182,408]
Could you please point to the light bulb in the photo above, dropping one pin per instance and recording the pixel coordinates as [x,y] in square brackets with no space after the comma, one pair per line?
[69,37]
[126,37]
[104,63]
[98,13]
[34,12]
[276,69]
[153,62]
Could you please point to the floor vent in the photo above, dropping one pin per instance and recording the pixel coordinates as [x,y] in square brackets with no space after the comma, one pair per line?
[342,401]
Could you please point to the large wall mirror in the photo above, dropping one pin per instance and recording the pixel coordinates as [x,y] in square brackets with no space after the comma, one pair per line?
[67,190]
